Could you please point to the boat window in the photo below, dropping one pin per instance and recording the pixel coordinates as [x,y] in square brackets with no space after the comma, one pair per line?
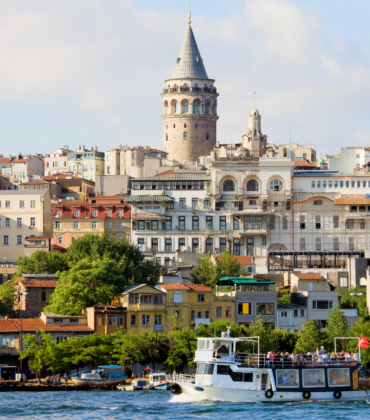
[210,369]
[201,368]
[238,377]
[207,344]
[161,378]
[222,370]
[248,377]
[201,344]
[338,377]
[313,378]
[287,377]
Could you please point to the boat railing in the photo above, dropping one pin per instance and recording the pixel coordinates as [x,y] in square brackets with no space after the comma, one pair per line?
[262,360]
[179,377]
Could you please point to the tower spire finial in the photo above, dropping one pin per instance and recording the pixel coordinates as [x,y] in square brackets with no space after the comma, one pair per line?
[189,16]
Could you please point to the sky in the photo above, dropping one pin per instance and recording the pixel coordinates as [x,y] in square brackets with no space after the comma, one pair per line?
[90,72]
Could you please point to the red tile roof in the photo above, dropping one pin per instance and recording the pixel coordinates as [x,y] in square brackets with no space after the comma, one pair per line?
[242,259]
[170,172]
[303,163]
[309,276]
[199,287]
[37,181]
[114,150]
[3,160]
[20,161]
[39,283]
[173,286]
[35,324]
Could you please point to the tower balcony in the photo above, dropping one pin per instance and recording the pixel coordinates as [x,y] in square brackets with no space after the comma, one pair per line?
[197,89]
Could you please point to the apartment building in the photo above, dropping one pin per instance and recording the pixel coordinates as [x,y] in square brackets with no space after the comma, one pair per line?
[39,184]
[106,319]
[86,163]
[253,297]
[304,152]
[350,159]
[102,215]
[22,214]
[25,168]
[57,161]
[72,187]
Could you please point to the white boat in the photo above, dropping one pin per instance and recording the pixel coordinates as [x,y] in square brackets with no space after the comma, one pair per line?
[228,375]
[102,377]
[158,381]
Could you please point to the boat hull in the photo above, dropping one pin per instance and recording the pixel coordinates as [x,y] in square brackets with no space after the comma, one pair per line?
[98,383]
[239,395]
[162,387]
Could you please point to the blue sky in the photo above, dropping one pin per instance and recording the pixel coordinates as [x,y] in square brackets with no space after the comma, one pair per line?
[91,73]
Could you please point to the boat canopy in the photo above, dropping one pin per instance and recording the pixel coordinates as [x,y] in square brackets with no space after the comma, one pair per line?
[110,367]
[243,280]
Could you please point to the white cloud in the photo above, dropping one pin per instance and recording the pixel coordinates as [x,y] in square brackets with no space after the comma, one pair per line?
[109,60]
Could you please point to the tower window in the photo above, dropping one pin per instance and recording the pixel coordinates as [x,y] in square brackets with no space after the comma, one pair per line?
[196,125]
[166,127]
[184,125]
[185,136]
[196,107]
[186,106]
[167,137]
[207,136]
[206,125]
[174,126]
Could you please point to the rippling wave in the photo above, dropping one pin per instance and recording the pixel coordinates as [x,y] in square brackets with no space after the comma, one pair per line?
[153,405]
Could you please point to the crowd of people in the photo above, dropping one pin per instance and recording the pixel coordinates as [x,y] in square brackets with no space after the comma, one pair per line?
[56,379]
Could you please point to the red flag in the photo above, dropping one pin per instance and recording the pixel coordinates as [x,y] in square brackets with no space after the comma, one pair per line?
[363,343]
[255,92]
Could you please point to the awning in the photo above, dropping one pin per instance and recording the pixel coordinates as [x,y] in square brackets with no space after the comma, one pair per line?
[245,280]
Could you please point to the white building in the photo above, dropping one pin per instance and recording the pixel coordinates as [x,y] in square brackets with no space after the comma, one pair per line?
[350,159]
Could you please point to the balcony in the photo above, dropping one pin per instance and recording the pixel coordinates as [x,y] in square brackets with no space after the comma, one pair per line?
[197,89]
[148,213]
[232,290]
[254,231]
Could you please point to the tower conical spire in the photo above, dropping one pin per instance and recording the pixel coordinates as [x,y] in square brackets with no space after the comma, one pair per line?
[189,62]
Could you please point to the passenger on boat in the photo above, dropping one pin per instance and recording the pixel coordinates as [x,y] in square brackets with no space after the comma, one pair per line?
[293,357]
[322,351]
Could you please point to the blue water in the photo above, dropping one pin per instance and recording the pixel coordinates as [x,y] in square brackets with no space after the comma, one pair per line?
[150,405]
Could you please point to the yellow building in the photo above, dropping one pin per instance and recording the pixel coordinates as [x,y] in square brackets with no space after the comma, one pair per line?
[106,319]
[200,304]
[146,308]
[224,308]
[86,163]
[177,304]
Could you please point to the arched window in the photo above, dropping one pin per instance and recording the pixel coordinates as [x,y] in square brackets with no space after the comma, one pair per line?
[186,106]
[185,136]
[252,185]
[276,185]
[229,185]
[166,136]
[176,107]
[185,85]
[195,84]
[207,136]
[184,125]
[174,126]
[207,106]
[196,107]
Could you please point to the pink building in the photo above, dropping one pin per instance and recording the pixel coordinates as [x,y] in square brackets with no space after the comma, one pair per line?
[56,162]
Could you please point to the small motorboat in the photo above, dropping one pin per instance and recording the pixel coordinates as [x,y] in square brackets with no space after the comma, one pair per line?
[102,377]
[158,381]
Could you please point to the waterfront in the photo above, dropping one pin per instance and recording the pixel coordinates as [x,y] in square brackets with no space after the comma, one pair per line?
[152,405]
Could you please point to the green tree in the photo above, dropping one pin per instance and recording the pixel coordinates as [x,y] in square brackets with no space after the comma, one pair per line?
[41,262]
[181,349]
[129,259]
[209,272]
[88,282]
[127,348]
[7,297]
[284,297]
[349,301]
[337,326]
[153,348]
[310,337]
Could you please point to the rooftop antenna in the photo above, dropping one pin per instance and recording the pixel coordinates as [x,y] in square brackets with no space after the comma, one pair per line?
[290,129]
[254,99]
[189,16]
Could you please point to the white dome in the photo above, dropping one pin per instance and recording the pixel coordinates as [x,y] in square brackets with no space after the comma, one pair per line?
[254,112]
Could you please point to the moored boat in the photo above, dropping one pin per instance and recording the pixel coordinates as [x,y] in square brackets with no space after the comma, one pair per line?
[226,374]
[102,377]
[158,381]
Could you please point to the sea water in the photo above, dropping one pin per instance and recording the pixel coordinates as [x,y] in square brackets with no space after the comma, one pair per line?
[150,405]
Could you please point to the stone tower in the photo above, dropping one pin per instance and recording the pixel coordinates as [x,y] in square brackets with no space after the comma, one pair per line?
[255,141]
[189,106]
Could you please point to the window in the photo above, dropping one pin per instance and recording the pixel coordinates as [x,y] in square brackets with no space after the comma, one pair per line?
[313,378]
[195,223]
[33,221]
[7,204]
[21,204]
[318,222]
[154,224]
[236,246]
[219,312]
[168,223]
[336,244]
[76,213]
[133,320]
[318,244]
[336,222]
[19,240]
[94,225]
[358,184]
[228,311]
[252,185]
[335,184]
[19,222]
[287,378]
[182,223]
[353,184]
[145,320]
[182,203]
[351,244]
[178,313]
[222,244]
[322,304]
[223,223]
[75,225]
[236,224]
[185,136]
[109,225]
[199,314]
[171,205]
[154,244]
[302,222]
[244,308]
[209,245]
[285,222]
[168,245]
[339,377]
[61,338]
[33,204]
[265,308]
[120,213]
[250,246]
[276,185]
[157,319]
[195,244]
[207,136]
[57,225]
[330,184]
[112,320]
[201,297]
[229,185]
[317,203]
[312,184]
[207,204]
[141,225]
[194,203]
[283,314]
[94,213]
